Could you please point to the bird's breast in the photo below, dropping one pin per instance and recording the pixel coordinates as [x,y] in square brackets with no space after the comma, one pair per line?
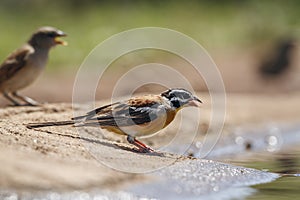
[34,67]
[38,60]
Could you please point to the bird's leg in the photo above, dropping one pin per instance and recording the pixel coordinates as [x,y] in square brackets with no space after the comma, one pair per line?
[29,101]
[13,100]
[142,147]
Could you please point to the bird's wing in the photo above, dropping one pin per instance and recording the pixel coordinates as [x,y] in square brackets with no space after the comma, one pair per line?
[135,111]
[101,111]
[13,63]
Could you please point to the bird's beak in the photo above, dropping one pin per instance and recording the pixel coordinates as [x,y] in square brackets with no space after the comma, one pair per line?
[58,39]
[195,102]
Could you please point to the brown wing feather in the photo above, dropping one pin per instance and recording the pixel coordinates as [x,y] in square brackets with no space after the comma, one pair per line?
[13,63]
[136,111]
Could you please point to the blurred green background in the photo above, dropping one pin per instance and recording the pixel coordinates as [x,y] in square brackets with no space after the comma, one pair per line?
[242,37]
[217,25]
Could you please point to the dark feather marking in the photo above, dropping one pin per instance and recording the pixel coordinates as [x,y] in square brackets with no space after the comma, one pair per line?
[13,64]
[136,111]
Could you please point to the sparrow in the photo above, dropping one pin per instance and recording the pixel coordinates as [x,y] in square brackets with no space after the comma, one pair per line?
[281,60]
[25,64]
[136,117]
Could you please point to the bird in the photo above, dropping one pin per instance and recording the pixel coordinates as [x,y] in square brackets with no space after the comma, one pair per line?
[136,117]
[280,61]
[26,63]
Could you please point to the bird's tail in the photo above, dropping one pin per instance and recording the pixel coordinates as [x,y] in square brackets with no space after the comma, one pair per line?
[43,124]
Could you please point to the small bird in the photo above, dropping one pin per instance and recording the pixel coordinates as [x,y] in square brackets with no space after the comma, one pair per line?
[280,59]
[25,64]
[135,117]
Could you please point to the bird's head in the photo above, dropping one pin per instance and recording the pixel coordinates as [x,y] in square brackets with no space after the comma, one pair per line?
[180,98]
[47,37]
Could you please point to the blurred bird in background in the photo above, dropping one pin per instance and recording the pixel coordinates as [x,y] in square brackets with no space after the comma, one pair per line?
[25,64]
[280,59]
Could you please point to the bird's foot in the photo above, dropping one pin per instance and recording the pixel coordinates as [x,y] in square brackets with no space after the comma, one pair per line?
[32,104]
[142,148]
[26,104]
[145,149]
[28,101]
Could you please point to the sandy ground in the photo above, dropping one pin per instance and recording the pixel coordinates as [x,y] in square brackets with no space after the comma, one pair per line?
[62,158]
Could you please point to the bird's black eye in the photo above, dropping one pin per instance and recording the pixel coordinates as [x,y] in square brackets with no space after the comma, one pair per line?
[51,34]
[175,102]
